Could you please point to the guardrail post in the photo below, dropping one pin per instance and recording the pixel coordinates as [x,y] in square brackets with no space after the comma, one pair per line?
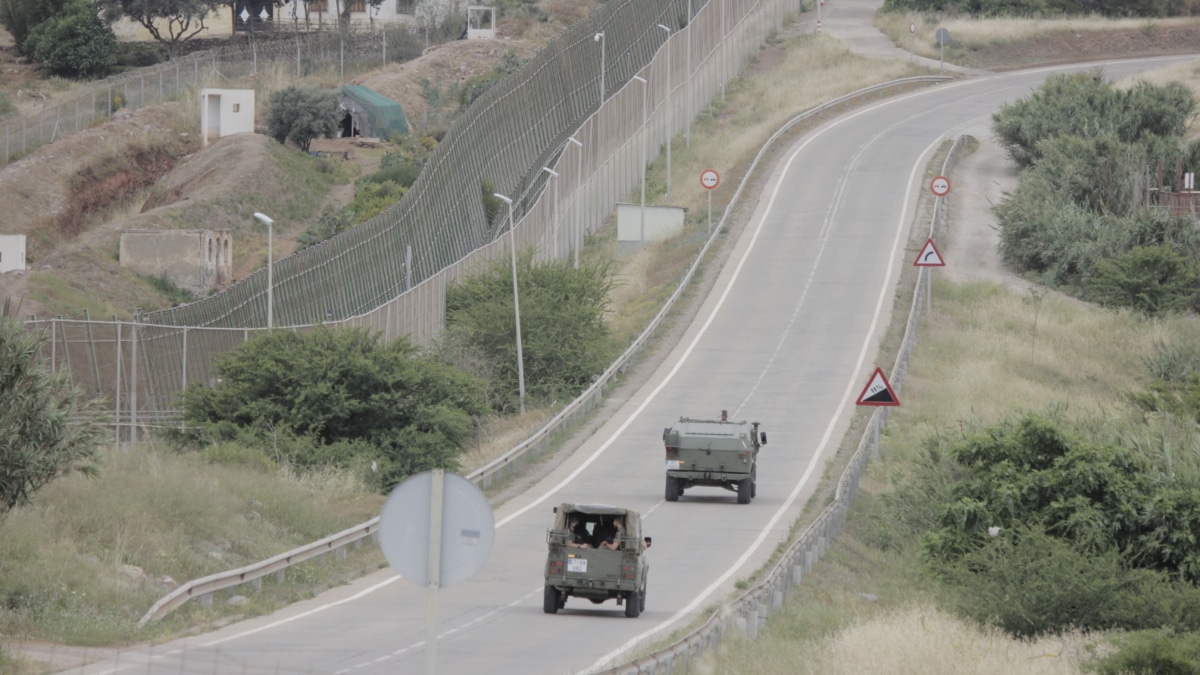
[341,553]
[206,600]
[279,577]
[808,560]
[257,584]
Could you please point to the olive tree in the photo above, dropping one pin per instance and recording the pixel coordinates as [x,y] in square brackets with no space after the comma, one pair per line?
[47,427]
[300,114]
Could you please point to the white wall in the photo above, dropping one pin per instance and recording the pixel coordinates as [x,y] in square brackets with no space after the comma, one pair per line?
[662,222]
[12,253]
[233,110]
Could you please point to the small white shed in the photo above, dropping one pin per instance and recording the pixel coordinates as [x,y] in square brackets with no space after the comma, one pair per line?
[224,112]
[481,22]
[12,253]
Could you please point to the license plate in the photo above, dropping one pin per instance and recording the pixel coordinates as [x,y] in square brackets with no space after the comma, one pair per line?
[673,464]
[577,564]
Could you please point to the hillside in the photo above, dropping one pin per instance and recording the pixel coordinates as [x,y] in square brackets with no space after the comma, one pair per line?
[143,169]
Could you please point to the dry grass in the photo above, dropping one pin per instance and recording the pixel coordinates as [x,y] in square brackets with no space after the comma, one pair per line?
[970,33]
[914,639]
[498,435]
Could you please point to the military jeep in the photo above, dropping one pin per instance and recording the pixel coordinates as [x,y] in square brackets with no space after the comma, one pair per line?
[716,453]
[577,565]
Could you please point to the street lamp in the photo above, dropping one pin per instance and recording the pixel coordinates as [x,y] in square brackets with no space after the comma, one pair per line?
[270,267]
[645,89]
[575,239]
[554,208]
[670,131]
[516,300]
[599,37]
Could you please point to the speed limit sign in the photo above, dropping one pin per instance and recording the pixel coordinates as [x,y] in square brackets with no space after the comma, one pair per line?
[940,186]
[912,28]
[709,179]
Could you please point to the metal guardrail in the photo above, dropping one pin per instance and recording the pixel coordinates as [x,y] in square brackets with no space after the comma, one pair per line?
[513,460]
[748,613]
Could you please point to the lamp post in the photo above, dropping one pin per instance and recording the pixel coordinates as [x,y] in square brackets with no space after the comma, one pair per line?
[516,299]
[554,208]
[670,131]
[270,267]
[645,89]
[576,238]
[599,37]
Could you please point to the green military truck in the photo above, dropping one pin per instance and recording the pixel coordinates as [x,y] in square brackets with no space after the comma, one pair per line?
[590,558]
[716,453]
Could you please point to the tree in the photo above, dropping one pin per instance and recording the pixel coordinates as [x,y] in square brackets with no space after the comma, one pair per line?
[47,428]
[565,341]
[76,43]
[171,22]
[300,114]
[345,390]
[21,16]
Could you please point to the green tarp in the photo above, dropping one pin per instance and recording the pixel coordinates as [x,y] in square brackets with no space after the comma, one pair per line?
[371,113]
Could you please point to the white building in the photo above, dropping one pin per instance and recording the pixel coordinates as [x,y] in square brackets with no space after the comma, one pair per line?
[12,253]
[224,112]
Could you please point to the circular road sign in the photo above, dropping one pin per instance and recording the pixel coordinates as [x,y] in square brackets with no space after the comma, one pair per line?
[467,529]
[710,179]
[912,28]
[942,36]
[940,186]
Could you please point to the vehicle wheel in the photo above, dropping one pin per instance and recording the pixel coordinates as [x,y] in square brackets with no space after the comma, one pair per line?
[744,488]
[672,489]
[633,605]
[550,602]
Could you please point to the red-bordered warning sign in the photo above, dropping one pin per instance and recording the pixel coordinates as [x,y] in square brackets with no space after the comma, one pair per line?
[878,391]
[929,256]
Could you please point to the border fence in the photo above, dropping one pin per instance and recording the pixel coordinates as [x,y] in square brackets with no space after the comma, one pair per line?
[576,109]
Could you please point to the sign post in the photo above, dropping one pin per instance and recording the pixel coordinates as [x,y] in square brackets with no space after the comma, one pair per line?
[436,530]
[709,180]
[912,31]
[942,36]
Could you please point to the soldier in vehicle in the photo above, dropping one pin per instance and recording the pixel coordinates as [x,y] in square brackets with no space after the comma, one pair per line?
[578,534]
[612,536]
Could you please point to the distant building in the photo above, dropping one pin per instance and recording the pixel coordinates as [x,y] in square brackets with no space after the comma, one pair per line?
[224,112]
[194,260]
[12,253]
[251,15]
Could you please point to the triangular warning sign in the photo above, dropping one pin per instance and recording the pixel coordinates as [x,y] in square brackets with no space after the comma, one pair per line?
[929,256]
[878,391]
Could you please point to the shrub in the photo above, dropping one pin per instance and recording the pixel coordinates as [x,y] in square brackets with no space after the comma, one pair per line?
[1162,652]
[333,396]
[74,43]
[1152,280]
[329,224]
[565,342]
[300,114]
[372,198]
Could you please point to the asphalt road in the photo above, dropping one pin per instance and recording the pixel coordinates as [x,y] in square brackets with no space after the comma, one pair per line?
[788,337]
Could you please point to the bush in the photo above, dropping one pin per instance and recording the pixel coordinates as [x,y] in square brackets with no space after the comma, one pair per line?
[373,198]
[478,85]
[1152,280]
[301,114]
[47,428]
[334,397]
[329,224]
[74,43]
[565,342]
[1162,652]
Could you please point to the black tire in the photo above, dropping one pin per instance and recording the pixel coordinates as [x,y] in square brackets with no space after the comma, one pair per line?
[744,488]
[633,605]
[754,483]
[550,603]
[672,489]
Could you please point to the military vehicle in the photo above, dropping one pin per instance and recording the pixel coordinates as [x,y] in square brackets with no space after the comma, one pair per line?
[716,453]
[590,558]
